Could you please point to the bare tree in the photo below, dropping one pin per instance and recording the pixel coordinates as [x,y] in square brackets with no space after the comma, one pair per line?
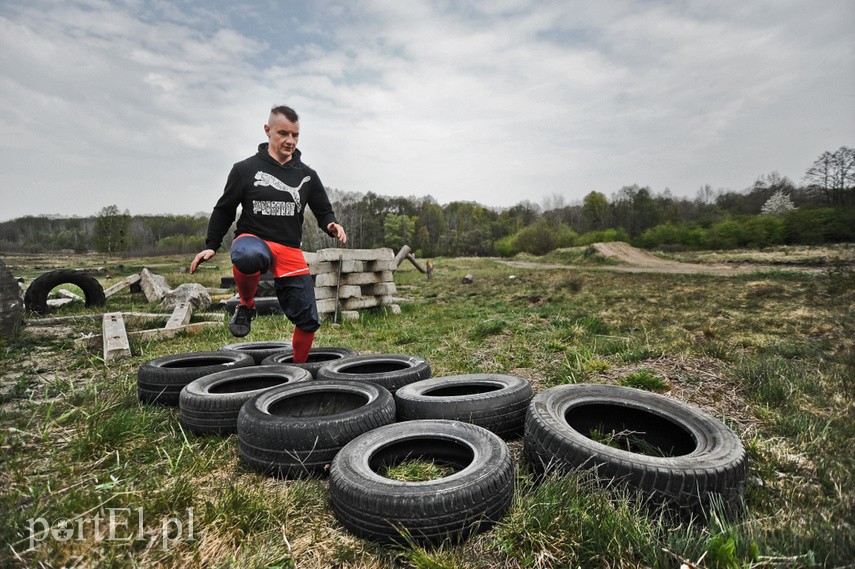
[833,174]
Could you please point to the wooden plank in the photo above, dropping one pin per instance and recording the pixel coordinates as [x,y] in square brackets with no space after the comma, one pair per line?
[123,284]
[150,335]
[181,315]
[65,293]
[130,317]
[114,337]
[402,254]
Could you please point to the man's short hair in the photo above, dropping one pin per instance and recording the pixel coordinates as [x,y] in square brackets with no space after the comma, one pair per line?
[287,112]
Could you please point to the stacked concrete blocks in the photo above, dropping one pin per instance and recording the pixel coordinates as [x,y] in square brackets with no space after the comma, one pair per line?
[357,278]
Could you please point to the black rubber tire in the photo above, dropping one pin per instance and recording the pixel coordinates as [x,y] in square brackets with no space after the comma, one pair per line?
[259,350]
[318,358]
[264,305]
[391,371]
[294,431]
[161,380]
[36,296]
[210,404]
[451,508]
[705,460]
[493,401]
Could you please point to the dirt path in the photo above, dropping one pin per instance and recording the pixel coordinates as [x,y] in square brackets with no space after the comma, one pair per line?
[634,260]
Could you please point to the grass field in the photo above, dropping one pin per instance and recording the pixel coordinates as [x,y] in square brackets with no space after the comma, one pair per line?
[770,353]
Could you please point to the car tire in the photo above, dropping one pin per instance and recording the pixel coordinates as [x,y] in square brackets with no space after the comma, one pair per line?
[391,371]
[318,358]
[37,293]
[702,461]
[493,401]
[160,381]
[259,350]
[210,404]
[295,431]
[450,508]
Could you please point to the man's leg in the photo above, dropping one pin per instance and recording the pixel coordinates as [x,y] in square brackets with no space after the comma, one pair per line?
[250,257]
[297,299]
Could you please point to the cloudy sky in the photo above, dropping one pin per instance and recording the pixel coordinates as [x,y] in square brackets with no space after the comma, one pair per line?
[146,104]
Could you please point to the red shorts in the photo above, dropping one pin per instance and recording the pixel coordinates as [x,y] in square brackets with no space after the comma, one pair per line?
[286,261]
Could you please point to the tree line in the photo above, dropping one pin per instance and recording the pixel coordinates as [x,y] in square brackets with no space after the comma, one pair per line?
[774,210]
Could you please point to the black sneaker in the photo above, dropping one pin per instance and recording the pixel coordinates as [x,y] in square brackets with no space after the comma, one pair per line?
[241,322]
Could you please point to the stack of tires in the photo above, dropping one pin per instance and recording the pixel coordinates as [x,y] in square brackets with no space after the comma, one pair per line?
[352,417]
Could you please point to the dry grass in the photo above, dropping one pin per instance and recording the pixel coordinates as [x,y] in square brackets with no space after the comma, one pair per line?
[770,353]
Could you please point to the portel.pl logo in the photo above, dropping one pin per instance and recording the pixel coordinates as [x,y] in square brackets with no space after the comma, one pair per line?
[111,524]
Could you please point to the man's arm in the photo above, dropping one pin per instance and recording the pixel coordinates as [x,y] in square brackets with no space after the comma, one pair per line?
[221,219]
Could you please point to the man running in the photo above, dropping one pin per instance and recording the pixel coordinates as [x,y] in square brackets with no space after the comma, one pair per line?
[273,188]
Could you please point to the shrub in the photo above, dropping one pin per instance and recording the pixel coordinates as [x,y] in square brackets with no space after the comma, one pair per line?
[606,235]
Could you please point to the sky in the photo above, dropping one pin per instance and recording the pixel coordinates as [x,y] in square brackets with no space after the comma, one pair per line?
[146,104]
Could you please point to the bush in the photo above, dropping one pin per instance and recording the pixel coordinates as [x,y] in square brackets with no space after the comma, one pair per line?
[814,226]
[541,238]
[685,236]
[606,235]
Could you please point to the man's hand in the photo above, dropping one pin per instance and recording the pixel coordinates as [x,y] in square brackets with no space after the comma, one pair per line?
[201,258]
[338,231]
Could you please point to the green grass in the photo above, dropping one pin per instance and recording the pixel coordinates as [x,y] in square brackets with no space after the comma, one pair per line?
[644,379]
[770,353]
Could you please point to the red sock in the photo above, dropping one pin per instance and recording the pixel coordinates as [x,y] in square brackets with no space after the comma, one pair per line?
[247,285]
[302,343]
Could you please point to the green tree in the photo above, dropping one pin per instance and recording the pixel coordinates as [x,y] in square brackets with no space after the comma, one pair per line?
[112,230]
[430,230]
[397,230]
[595,211]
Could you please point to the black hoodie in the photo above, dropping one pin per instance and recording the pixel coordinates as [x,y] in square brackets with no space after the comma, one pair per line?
[273,198]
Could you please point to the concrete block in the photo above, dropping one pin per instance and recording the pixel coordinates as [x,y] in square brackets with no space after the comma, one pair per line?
[374,266]
[381,254]
[123,284]
[379,289]
[114,337]
[181,315]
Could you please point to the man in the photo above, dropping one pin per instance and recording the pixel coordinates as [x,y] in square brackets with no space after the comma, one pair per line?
[273,189]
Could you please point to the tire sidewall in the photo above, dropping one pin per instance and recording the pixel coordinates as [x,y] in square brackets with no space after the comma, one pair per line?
[507,384]
[414,369]
[713,440]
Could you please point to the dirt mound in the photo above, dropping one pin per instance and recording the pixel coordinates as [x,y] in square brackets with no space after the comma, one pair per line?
[638,261]
[626,253]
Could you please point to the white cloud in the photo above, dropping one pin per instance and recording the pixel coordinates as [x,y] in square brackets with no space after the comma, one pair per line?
[146,104]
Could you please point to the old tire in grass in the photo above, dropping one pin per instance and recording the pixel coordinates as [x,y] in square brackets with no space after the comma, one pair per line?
[382,509]
[161,380]
[676,455]
[259,350]
[493,401]
[294,431]
[264,305]
[318,358]
[211,403]
[391,371]
[37,293]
